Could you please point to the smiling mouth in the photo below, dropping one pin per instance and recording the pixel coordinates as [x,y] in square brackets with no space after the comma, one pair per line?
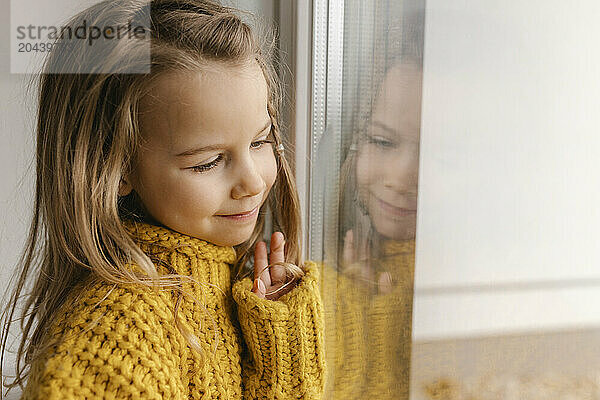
[241,216]
[393,210]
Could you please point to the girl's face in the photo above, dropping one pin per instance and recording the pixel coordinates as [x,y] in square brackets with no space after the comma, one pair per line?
[205,166]
[387,165]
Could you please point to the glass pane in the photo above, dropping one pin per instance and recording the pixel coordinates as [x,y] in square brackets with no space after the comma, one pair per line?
[367,79]
[488,111]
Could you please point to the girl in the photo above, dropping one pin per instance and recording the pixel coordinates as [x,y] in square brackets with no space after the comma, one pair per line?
[151,197]
[379,181]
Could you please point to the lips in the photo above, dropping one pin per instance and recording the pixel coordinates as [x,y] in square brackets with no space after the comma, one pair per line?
[242,214]
[394,210]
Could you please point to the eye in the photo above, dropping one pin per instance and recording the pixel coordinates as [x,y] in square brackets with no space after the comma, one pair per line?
[209,165]
[260,143]
[380,141]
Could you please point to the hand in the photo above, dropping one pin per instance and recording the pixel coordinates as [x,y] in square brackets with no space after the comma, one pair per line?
[271,282]
[356,262]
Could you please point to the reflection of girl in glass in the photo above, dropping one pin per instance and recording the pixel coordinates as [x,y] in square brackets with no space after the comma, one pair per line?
[380,173]
[380,178]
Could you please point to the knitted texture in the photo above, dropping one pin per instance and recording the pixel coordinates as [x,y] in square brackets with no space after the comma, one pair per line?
[121,342]
[368,335]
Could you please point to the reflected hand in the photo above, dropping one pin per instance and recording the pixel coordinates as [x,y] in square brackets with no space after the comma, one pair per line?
[356,263]
[270,277]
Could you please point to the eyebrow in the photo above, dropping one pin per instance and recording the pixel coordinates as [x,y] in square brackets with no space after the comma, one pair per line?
[391,130]
[197,150]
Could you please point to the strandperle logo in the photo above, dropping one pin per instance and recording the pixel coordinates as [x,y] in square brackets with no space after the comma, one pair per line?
[83,32]
[56,38]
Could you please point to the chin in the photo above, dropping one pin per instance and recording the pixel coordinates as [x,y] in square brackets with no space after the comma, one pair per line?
[398,235]
[395,230]
[233,239]
[230,242]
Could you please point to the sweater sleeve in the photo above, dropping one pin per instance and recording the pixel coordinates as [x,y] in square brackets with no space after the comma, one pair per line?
[120,358]
[284,339]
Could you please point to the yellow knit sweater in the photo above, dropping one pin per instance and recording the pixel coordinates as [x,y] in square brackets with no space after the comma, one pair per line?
[253,348]
[368,334]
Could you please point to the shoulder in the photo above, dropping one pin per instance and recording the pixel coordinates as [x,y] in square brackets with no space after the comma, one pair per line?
[113,314]
[104,306]
[103,318]
[118,333]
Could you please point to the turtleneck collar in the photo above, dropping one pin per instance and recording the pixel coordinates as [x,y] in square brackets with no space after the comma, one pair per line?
[392,247]
[148,235]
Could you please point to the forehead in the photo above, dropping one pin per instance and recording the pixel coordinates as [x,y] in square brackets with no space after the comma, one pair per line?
[398,101]
[182,108]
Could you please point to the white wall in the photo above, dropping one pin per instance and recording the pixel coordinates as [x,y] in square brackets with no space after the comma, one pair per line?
[16,152]
[507,236]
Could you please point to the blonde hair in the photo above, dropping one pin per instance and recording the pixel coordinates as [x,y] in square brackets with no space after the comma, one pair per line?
[87,141]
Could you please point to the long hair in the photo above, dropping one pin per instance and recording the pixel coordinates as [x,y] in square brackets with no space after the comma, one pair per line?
[87,139]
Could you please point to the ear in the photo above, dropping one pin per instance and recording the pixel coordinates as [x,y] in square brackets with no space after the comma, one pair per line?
[124,187]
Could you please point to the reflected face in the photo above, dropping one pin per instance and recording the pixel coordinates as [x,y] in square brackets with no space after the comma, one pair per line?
[387,166]
[206,165]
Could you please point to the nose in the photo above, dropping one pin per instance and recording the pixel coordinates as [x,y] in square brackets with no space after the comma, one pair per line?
[402,173]
[248,181]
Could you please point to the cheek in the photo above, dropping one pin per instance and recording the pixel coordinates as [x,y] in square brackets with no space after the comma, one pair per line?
[173,192]
[366,169]
[151,183]
[196,192]
[268,169]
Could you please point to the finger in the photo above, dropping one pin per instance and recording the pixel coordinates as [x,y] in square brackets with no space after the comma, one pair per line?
[260,263]
[277,255]
[277,248]
[280,290]
[264,270]
[367,272]
[259,288]
[385,283]
[260,258]
[348,252]
[362,252]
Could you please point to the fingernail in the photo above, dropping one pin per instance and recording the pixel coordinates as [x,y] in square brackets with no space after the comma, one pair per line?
[261,286]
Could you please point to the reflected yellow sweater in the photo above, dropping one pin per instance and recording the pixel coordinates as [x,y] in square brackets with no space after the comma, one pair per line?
[253,348]
[368,335]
